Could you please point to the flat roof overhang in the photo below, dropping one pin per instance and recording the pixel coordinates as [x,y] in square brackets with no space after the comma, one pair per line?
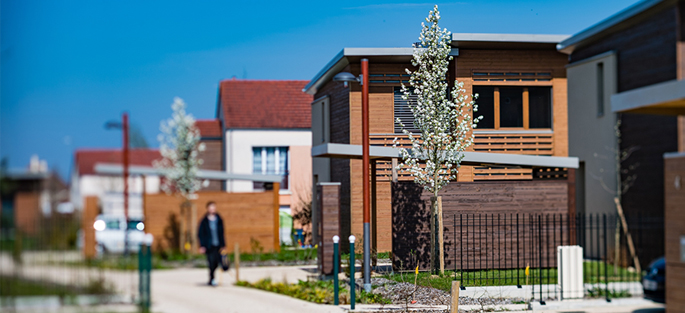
[118,169]
[667,98]
[345,151]
[506,41]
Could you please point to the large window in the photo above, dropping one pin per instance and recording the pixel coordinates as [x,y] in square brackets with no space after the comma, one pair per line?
[514,107]
[270,161]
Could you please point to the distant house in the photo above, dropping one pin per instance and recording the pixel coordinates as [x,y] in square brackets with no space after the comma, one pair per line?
[30,196]
[266,126]
[630,68]
[109,189]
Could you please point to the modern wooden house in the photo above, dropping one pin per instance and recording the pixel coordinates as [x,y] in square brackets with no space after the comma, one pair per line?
[521,82]
[630,68]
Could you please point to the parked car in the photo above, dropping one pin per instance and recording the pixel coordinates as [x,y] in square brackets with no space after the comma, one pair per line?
[654,282]
[110,232]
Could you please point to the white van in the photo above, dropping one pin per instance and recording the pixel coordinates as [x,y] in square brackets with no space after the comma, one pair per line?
[110,230]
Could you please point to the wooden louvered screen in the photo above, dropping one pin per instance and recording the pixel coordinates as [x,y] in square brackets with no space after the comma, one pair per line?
[403,111]
[515,143]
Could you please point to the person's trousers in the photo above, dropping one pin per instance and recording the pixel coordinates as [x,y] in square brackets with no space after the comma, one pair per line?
[213,258]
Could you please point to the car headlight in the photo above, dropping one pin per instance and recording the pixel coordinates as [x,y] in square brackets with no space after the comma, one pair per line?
[99,225]
[140,226]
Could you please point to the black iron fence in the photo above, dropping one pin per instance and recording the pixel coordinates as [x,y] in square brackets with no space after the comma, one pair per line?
[521,251]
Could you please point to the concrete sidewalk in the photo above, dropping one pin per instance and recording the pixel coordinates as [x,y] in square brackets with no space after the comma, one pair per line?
[185,290]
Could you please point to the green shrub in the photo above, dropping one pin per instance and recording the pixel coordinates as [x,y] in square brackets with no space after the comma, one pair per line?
[313,291]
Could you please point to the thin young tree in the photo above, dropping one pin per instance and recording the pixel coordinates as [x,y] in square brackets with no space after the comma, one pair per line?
[180,148]
[444,119]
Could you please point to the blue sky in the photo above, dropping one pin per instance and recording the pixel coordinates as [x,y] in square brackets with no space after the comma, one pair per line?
[69,66]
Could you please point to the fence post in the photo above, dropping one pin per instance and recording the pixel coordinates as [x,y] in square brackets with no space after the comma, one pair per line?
[236,260]
[542,302]
[606,260]
[461,247]
[144,269]
[454,308]
[518,251]
[353,283]
[335,269]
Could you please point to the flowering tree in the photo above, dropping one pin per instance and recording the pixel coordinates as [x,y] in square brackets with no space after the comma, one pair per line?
[445,123]
[180,147]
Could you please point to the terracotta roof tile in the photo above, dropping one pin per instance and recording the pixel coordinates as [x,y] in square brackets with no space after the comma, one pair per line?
[265,104]
[209,128]
[86,159]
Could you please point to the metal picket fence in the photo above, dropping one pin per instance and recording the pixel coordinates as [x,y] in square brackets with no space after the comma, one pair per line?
[520,251]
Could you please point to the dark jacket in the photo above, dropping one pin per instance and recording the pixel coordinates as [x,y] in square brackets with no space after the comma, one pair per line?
[205,235]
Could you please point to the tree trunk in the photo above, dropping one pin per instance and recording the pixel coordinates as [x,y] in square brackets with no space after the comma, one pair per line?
[437,245]
[182,230]
[193,226]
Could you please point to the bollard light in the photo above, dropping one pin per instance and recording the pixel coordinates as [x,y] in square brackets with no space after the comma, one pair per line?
[336,266]
[353,284]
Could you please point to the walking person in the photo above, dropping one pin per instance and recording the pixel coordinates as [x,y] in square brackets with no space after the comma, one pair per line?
[211,235]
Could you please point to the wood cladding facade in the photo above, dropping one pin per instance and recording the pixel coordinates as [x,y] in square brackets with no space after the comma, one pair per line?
[328,197]
[212,160]
[246,216]
[469,209]
[674,181]
[345,128]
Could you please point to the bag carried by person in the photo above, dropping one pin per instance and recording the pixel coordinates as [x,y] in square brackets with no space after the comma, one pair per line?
[225,262]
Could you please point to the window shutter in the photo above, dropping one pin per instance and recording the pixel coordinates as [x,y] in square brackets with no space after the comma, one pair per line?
[403,111]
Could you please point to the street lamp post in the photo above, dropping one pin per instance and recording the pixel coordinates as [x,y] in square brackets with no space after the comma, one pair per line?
[363,80]
[124,127]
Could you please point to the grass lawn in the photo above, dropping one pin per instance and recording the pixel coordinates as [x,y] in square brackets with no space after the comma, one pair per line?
[15,286]
[593,273]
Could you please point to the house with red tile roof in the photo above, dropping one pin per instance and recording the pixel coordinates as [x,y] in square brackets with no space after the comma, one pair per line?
[86,182]
[266,125]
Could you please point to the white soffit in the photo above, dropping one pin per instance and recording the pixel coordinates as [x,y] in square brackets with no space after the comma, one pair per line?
[650,97]
[117,169]
[336,150]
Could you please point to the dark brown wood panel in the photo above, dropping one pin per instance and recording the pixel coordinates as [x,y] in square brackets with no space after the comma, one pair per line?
[480,223]
[329,225]
[646,51]
[511,60]
[675,228]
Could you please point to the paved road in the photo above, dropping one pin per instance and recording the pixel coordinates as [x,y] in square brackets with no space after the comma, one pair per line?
[185,290]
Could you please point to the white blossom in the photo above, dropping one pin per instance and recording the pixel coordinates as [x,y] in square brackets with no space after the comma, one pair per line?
[180,147]
[445,123]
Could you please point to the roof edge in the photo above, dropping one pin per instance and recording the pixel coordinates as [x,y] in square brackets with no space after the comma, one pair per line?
[523,38]
[567,46]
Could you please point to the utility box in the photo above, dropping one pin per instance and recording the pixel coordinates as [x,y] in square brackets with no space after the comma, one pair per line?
[570,272]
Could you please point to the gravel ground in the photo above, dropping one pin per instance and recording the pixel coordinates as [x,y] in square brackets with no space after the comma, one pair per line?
[400,293]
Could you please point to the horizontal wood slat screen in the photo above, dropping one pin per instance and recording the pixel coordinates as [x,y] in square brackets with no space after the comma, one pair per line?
[522,143]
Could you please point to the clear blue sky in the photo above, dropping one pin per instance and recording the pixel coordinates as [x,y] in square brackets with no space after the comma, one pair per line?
[70,66]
